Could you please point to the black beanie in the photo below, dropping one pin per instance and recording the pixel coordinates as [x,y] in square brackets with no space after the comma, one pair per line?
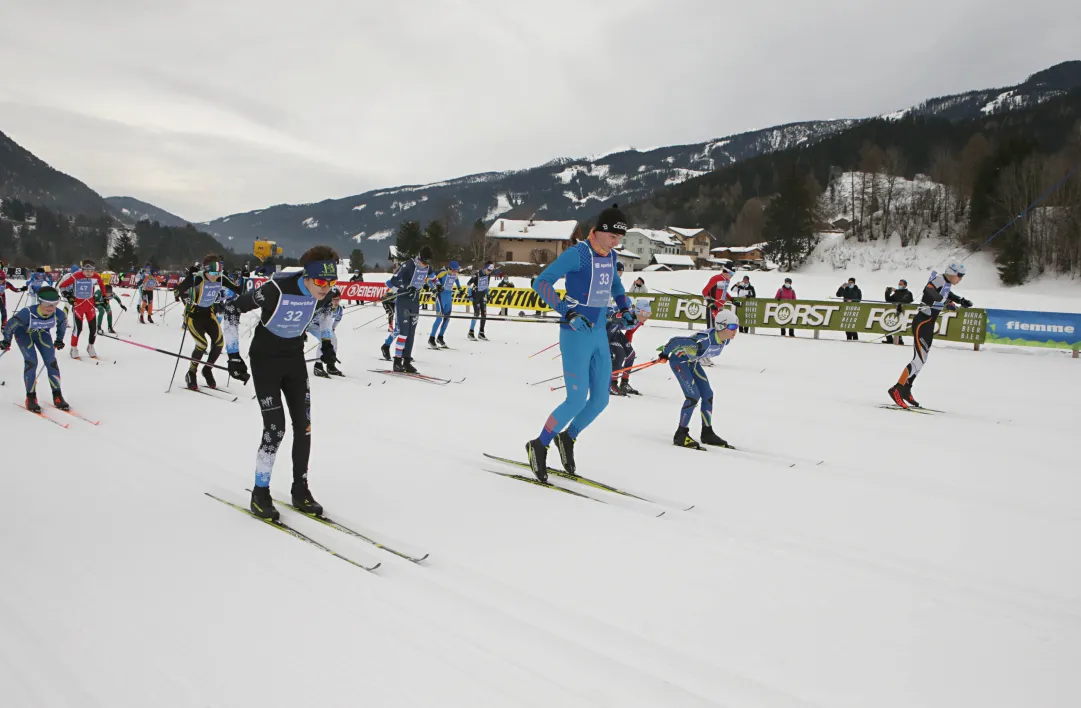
[612,220]
[426,254]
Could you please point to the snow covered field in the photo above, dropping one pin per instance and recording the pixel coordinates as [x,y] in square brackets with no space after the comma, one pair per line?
[857,557]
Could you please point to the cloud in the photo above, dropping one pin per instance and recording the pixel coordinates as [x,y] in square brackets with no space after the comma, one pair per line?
[214,108]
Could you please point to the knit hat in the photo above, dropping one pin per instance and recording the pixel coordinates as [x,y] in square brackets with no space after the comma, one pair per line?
[48,294]
[425,254]
[612,220]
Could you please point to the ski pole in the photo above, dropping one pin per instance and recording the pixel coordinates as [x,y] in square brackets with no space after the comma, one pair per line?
[557,356]
[542,350]
[177,364]
[382,316]
[626,370]
[497,318]
[546,380]
[166,352]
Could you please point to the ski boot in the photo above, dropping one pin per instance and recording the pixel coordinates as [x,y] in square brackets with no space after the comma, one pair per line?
[320,371]
[141,320]
[481,336]
[74,352]
[906,395]
[302,499]
[471,336]
[407,366]
[385,351]
[538,459]
[683,438]
[32,404]
[895,396]
[627,389]
[431,343]
[262,505]
[565,445]
[333,370]
[150,318]
[208,376]
[440,342]
[90,351]
[398,365]
[112,331]
[613,389]
[59,402]
[711,438]
[190,382]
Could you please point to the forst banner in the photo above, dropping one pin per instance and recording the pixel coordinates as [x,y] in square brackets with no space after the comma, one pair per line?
[963,325]
[511,298]
[1027,328]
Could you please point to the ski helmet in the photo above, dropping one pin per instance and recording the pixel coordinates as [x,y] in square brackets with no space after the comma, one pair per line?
[955,269]
[725,319]
[642,305]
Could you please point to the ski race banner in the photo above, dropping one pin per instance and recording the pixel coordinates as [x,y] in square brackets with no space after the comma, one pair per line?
[1060,330]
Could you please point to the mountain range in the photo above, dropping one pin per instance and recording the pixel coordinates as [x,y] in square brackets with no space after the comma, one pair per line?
[563,188]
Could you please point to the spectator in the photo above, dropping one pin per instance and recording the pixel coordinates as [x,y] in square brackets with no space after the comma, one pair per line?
[850,292]
[504,283]
[745,290]
[717,291]
[786,292]
[902,296]
[639,285]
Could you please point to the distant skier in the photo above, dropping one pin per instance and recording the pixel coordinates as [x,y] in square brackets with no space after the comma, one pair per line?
[37,280]
[446,282]
[329,347]
[146,282]
[620,334]
[937,294]
[29,327]
[478,292]
[101,301]
[590,271]
[201,292]
[684,355]
[716,294]
[410,278]
[78,289]
[902,296]
[288,302]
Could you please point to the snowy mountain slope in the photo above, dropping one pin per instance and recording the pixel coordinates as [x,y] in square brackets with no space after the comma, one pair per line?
[918,564]
[26,177]
[129,210]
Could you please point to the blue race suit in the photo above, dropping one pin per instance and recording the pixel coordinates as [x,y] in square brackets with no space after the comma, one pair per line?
[407,307]
[587,366]
[446,282]
[683,355]
[30,330]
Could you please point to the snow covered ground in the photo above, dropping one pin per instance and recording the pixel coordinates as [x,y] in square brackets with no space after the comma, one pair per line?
[857,557]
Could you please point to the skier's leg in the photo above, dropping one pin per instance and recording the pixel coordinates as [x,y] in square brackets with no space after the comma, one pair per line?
[705,392]
[267,379]
[199,338]
[685,377]
[600,381]
[296,391]
[574,346]
[30,360]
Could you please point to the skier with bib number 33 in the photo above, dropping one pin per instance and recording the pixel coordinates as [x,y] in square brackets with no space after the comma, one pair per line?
[589,267]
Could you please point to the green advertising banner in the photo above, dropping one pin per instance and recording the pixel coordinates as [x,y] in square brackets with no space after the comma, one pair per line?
[963,325]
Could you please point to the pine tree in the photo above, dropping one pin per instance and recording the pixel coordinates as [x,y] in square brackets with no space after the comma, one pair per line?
[123,256]
[1012,259]
[410,239]
[356,260]
[790,218]
[436,238]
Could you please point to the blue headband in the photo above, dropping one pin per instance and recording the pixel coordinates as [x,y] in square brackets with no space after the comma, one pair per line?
[328,270]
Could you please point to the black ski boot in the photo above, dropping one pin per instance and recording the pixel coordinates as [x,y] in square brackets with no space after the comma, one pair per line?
[208,376]
[59,402]
[32,404]
[906,394]
[385,351]
[334,370]
[565,445]
[614,390]
[320,371]
[431,343]
[471,336]
[190,381]
[440,342]
[407,366]
[262,505]
[398,365]
[481,336]
[302,499]
[711,438]
[625,387]
[538,459]
[683,438]
[150,318]
[112,331]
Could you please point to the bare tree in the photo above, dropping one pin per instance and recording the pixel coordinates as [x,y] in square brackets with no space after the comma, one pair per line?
[541,256]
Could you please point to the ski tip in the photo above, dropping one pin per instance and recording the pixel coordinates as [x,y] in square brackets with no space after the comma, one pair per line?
[659,515]
[689,508]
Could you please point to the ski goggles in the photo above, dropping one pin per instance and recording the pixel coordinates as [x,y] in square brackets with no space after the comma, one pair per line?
[732,327]
[325,282]
[214,268]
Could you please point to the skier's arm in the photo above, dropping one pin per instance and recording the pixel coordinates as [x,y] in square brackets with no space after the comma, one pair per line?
[569,261]
[227,283]
[931,295]
[264,297]
[679,346]
[182,291]
[404,276]
[9,286]
[619,293]
[19,322]
[61,325]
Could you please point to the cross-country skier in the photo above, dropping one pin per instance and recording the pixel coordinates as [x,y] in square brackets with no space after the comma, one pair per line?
[29,327]
[288,303]
[716,294]
[37,280]
[590,270]
[145,283]
[329,347]
[201,292]
[408,281]
[78,289]
[446,281]
[101,301]
[619,343]
[684,355]
[478,293]
[937,294]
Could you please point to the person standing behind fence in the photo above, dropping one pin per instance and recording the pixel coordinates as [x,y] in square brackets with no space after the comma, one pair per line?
[639,285]
[902,296]
[745,291]
[717,291]
[478,293]
[786,292]
[504,283]
[850,292]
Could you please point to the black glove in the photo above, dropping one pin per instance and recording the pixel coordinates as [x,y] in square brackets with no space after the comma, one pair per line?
[737,303]
[59,345]
[661,356]
[327,355]
[577,322]
[411,291]
[238,369]
[965,302]
[70,298]
[123,308]
[24,288]
[5,345]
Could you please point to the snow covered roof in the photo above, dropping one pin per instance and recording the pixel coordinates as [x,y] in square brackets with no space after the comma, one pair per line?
[739,249]
[656,266]
[674,259]
[626,254]
[689,233]
[662,238]
[719,261]
[539,230]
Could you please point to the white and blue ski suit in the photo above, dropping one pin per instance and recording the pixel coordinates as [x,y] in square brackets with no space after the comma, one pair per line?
[684,355]
[445,284]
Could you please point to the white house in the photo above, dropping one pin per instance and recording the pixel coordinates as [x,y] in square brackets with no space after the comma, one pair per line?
[674,261]
[533,241]
[628,258]
[696,242]
[648,242]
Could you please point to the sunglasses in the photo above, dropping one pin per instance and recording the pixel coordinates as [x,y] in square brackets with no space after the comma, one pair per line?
[213,272]
[732,327]
[325,282]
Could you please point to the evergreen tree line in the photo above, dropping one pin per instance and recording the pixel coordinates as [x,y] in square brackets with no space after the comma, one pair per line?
[985,172]
[476,248]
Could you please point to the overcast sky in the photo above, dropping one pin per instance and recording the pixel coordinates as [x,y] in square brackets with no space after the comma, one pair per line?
[211,107]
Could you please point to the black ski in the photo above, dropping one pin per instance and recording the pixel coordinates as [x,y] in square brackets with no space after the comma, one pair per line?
[281,526]
[222,397]
[895,407]
[534,480]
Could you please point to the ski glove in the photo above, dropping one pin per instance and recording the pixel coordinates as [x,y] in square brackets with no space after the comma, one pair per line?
[628,317]
[237,368]
[965,302]
[5,345]
[327,355]
[24,288]
[661,356]
[59,345]
[123,308]
[577,322]
[411,291]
